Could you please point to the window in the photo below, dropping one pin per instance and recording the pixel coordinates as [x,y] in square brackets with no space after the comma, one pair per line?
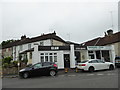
[48,57]
[91,54]
[29,46]
[42,53]
[42,58]
[100,61]
[84,61]
[41,44]
[90,51]
[51,58]
[36,66]
[94,61]
[55,58]
[21,47]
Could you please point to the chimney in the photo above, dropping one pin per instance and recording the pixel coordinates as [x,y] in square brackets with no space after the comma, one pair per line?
[110,32]
[54,33]
[105,34]
[23,37]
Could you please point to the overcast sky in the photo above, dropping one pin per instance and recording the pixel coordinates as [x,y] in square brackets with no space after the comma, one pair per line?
[74,20]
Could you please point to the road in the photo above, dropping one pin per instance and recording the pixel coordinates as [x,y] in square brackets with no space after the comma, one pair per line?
[99,79]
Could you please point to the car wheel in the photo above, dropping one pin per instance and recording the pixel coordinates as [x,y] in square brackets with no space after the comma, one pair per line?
[52,73]
[111,67]
[25,75]
[91,69]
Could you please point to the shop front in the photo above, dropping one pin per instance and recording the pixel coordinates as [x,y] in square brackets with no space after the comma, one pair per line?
[68,56]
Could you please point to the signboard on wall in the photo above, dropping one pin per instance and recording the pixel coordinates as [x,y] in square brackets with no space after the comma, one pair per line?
[53,48]
[98,48]
[80,47]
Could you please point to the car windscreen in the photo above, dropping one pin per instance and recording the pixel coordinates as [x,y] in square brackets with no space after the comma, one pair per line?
[84,61]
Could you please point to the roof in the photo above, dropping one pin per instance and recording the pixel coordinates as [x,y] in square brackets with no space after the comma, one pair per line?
[35,39]
[101,41]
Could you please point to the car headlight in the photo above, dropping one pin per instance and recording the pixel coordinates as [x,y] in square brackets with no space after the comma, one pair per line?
[22,70]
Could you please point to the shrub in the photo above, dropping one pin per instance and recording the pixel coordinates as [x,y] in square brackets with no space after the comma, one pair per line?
[15,63]
[7,60]
[6,65]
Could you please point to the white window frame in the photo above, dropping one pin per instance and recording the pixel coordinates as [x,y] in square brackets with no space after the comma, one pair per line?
[48,55]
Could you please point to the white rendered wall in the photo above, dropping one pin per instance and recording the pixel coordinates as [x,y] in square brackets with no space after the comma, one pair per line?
[72,57]
[35,54]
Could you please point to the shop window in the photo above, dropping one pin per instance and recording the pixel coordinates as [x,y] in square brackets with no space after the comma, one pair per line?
[106,56]
[46,58]
[46,53]
[90,51]
[50,54]
[55,58]
[91,56]
[55,53]
[51,58]
[98,54]
[42,58]
[42,54]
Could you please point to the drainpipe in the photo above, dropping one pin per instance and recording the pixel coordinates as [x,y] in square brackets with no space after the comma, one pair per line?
[72,56]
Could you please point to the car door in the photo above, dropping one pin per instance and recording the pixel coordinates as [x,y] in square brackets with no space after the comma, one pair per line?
[95,64]
[36,69]
[46,68]
[102,64]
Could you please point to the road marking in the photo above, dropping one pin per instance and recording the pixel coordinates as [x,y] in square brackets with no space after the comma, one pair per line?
[99,74]
[110,74]
[90,74]
[62,75]
[72,75]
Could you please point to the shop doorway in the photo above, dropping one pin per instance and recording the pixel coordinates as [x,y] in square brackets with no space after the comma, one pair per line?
[66,60]
[77,56]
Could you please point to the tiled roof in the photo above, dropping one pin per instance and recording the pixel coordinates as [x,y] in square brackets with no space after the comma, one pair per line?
[34,39]
[10,44]
[101,41]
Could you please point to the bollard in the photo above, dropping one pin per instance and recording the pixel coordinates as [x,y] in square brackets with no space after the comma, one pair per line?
[66,70]
[76,70]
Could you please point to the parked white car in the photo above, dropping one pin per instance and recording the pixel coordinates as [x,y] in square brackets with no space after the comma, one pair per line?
[94,64]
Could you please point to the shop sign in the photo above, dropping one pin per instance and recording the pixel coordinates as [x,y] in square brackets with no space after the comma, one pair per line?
[98,47]
[45,48]
[54,48]
[80,48]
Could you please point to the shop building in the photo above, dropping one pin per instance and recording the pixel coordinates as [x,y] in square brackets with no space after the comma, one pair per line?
[73,53]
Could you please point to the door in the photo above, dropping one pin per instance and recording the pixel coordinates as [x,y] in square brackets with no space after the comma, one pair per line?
[66,60]
[37,69]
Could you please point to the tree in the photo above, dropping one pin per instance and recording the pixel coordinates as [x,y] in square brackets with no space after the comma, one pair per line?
[7,42]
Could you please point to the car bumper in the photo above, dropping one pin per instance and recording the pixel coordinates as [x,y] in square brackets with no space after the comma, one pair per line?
[81,68]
